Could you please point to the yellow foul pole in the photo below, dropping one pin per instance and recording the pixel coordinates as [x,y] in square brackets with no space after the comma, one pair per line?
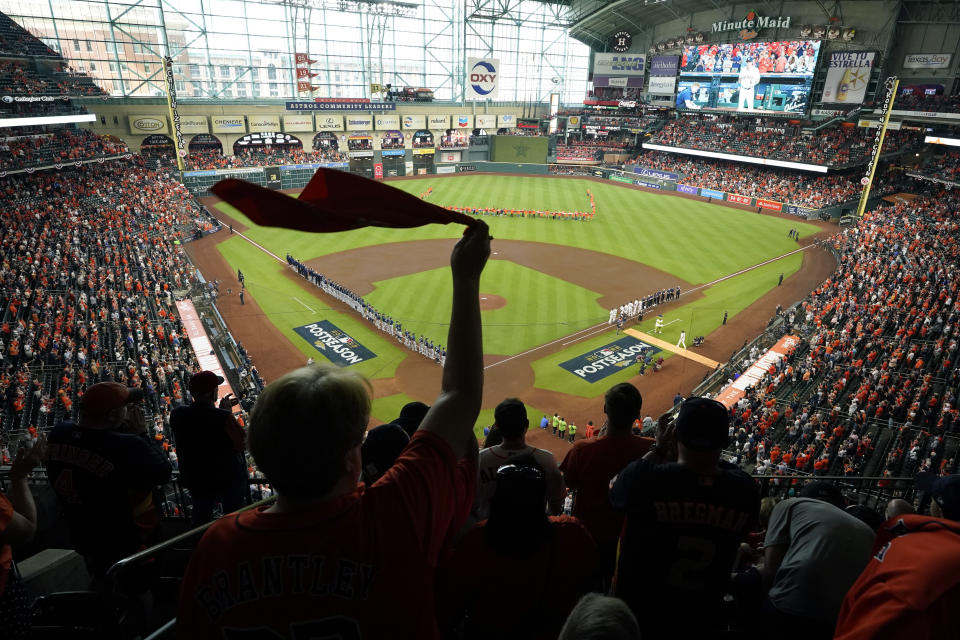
[890,94]
[172,109]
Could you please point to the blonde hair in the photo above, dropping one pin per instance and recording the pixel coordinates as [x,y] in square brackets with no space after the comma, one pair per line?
[303,425]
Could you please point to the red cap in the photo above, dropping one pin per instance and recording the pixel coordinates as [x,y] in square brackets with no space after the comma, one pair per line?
[205,382]
[104,397]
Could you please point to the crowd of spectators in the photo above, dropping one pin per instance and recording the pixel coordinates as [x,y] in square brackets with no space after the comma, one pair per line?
[871,387]
[56,145]
[90,272]
[19,77]
[802,189]
[252,157]
[17,41]
[841,146]
[934,103]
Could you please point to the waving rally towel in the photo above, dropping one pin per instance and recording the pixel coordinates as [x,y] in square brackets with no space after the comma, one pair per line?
[334,201]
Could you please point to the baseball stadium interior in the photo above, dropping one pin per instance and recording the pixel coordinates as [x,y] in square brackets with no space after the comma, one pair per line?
[450,319]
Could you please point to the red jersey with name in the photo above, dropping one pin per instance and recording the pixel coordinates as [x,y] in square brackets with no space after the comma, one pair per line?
[911,587]
[359,566]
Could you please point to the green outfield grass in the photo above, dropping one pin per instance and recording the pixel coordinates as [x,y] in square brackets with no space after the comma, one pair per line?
[695,241]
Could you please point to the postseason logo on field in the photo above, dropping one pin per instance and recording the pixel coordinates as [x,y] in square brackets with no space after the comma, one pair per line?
[334,343]
[608,359]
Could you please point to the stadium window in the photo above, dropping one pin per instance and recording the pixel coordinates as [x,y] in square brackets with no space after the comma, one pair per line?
[76,45]
[225,71]
[113,67]
[116,120]
[271,72]
[194,70]
[93,66]
[103,120]
[146,67]
[89,46]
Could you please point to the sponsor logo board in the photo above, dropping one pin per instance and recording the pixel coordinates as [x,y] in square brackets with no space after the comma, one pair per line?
[664,65]
[148,124]
[439,122]
[506,121]
[483,75]
[263,123]
[649,185]
[194,124]
[685,188]
[228,124]
[485,121]
[463,122]
[769,204]
[654,173]
[335,344]
[414,122]
[927,61]
[662,85]
[329,123]
[359,122]
[387,122]
[732,197]
[608,359]
[710,193]
[619,64]
[300,122]
[847,76]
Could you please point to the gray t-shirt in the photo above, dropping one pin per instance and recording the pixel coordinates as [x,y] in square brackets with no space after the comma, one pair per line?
[827,551]
[493,458]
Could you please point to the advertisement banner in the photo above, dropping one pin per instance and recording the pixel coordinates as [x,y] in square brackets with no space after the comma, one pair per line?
[874,124]
[619,64]
[794,210]
[194,124]
[393,152]
[334,344]
[482,82]
[664,65]
[263,123]
[387,122]
[412,123]
[228,124]
[655,173]
[649,185]
[300,122]
[847,75]
[448,156]
[710,193]
[662,85]
[449,168]
[769,204]
[485,121]
[608,359]
[927,61]
[359,122]
[148,124]
[424,152]
[329,123]
[685,188]
[617,82]
[463,122]
[378,170]
[342,105]
[616,177]
[439,122]
[506,121]
[733,197]
[733,392]
[573,122]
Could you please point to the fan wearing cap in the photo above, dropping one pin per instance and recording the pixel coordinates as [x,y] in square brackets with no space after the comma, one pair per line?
[911,586]
[684,523]
[813,553]
[104,477]
[210,447]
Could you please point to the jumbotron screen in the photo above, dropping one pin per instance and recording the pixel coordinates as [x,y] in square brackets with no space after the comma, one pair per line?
[754,77]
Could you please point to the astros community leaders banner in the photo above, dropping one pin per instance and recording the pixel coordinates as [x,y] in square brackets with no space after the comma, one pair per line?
[483,79]
[334,343]
[608,359]
[847,77]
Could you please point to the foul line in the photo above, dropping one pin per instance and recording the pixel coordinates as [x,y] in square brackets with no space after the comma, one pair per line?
[303,303]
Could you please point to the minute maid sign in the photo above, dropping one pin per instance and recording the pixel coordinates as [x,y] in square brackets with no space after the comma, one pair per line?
[334,343]
[751,24]
[608,359]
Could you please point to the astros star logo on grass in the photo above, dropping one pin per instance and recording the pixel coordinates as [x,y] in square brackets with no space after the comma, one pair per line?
[521,150]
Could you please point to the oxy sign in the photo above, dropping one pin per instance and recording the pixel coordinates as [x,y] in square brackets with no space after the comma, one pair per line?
[482,81]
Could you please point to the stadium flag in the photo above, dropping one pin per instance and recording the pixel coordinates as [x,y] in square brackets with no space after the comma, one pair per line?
[305,73]
[302,58]
[335,201]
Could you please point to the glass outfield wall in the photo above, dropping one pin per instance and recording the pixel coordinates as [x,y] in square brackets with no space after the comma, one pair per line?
[248,48]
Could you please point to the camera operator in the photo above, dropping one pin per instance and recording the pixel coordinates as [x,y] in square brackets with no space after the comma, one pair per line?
[210,445]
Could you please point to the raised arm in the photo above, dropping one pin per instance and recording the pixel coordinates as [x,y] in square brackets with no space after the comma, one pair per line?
[455,411]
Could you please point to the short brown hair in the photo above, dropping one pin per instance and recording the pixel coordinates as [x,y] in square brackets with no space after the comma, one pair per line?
[303,425]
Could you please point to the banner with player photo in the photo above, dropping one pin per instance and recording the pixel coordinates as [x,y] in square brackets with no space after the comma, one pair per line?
[608,359]
[848,73]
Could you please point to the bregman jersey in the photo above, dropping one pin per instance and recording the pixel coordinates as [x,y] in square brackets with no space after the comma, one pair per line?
[358,566]
[679,540]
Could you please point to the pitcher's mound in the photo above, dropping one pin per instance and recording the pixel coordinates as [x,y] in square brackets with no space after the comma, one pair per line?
[488,301]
